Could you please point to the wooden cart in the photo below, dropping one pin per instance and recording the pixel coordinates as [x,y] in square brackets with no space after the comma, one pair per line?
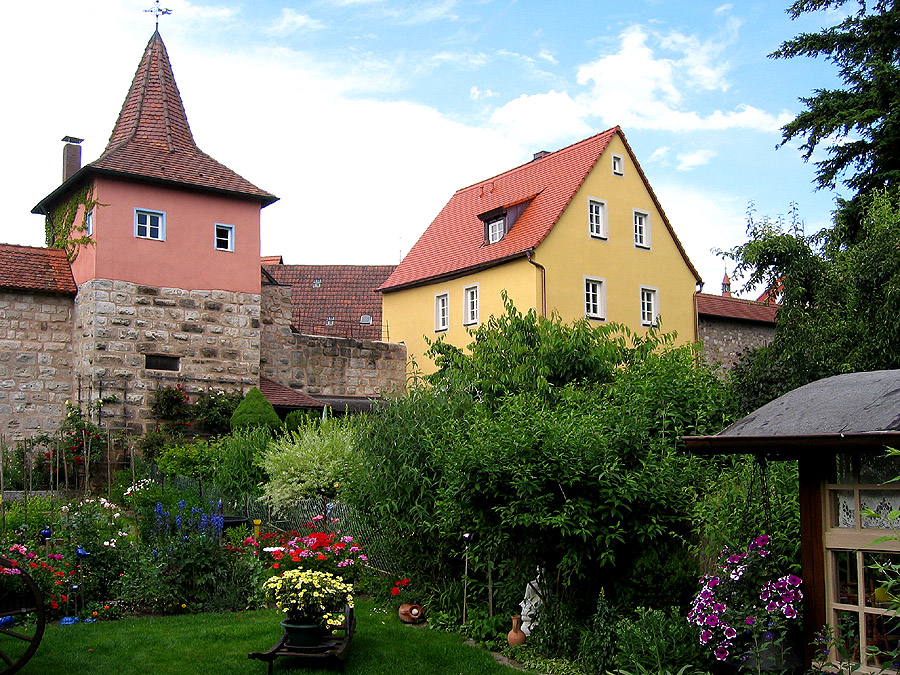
[22,617]
[334,645]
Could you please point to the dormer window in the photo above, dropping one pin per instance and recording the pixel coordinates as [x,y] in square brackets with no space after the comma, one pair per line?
[496,229]
[497,222]
[317,283]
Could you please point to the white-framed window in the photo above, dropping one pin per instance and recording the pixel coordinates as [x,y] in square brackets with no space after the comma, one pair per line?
[224,237]
[649,306]
[618,165]
[149,224]
[496,229]
[441,312]
[594,298]
[641,229]
[857,595]
[89,223]
[598,224]
[329,320]
[470,305]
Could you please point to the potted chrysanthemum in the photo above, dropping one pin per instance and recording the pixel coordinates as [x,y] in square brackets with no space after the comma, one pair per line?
[312,601]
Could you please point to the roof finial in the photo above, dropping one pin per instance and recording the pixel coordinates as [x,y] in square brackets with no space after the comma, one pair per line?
[158,11]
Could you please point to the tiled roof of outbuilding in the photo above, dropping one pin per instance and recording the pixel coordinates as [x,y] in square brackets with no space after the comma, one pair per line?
[735,308]
[30,268]
[454,242]
[282,396]
[333,299]
[152,139]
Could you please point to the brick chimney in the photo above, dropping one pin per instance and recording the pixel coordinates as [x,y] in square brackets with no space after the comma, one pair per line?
[71,156]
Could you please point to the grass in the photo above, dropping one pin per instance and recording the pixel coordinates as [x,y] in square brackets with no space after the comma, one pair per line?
[218,644]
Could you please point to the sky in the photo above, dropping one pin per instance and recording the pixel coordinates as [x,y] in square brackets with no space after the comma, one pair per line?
[365,116]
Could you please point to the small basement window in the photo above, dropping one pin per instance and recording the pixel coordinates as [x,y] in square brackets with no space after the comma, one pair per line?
[160,362]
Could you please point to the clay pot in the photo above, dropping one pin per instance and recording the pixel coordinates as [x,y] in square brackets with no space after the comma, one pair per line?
[410,613]
[516,636]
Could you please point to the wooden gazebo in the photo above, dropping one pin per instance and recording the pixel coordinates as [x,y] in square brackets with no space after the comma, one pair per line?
[837,429]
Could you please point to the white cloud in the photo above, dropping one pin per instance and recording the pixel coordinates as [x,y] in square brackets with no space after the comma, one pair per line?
[547,55]
[722,9]
[660,155]
[291,22]
[541,119]
[691,160]
[635,88]
[475,93]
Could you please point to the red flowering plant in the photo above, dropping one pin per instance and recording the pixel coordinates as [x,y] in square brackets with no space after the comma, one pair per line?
[51,573]
[334,552]
[745,607]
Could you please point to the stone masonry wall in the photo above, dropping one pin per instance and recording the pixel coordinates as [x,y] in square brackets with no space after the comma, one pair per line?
[325,366]
[35,362]
[724,339]
[215,334]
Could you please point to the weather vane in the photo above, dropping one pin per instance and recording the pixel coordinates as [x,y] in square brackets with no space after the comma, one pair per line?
[158,11]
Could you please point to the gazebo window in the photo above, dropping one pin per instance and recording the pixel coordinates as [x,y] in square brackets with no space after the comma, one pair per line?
[857,599]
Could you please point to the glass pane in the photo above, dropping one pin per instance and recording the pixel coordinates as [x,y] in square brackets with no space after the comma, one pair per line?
[880,568]
[881,638]
[878,468]
[881,502]
[847,636]
[846,584]
[843,469]
[843,508]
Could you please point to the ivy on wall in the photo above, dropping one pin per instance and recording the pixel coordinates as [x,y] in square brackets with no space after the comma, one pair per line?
[60,228]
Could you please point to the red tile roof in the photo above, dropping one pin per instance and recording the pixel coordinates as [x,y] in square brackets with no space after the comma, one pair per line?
[281,396]
[29,268]
[454,242]
[152,139]
[332,299]
[735,308]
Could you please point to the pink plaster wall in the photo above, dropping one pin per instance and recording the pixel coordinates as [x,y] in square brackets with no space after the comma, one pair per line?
[187,258]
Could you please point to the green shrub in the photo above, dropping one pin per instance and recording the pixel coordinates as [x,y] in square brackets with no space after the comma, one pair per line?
[255,411]
[655,641]
[170,404]
[597,649]
[213,410]
[237,472]
[555,628]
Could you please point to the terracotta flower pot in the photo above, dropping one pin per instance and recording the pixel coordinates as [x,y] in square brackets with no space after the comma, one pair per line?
[516,636]
[410,613]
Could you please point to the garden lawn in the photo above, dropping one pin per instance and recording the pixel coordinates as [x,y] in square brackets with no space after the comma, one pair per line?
[218,644]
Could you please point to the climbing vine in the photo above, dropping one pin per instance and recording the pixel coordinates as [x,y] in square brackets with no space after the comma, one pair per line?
[60,228]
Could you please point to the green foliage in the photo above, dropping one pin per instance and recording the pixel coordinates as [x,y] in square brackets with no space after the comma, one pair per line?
[745,499]
[236,471]
[196,459]
[656,640]
[840,310]
[60,229]
[597,649]
[307,464]
[554,629]
[571,477]
[860,123]
[255,411]
[213,410]
[171,404]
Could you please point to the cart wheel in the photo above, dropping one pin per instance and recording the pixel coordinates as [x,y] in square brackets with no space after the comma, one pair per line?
[22,618]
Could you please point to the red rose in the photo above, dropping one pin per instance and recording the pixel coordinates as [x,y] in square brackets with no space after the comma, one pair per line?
[395,591]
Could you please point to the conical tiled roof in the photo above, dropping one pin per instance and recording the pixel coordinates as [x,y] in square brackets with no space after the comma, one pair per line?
[152,138]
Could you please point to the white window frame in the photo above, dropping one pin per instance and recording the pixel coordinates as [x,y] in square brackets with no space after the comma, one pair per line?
[642,230]
[595,298]
[598,219]
[618,165]
[651,317]
[470,305]
[496,229]
[161,226]
[230,237]
[441,311]
[89,223]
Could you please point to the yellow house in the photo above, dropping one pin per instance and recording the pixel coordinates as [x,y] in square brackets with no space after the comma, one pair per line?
[577,232]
